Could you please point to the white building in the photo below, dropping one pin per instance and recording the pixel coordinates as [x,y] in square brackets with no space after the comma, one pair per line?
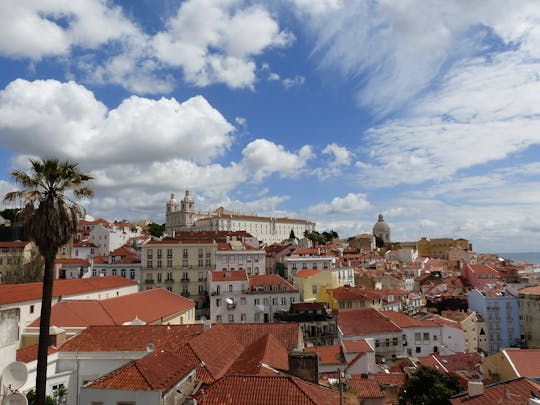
[237,297]
[236,255]
[113,236]
[183,217]
[307,259]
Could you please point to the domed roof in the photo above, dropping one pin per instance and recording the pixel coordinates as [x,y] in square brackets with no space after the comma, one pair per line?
[187,197]
[381,227]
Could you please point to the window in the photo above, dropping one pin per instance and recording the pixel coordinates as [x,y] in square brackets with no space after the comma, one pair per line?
[200,262]
[149,264]
[256,270]
[231,318]
[169,263]
[218,318]
[159,277]
[169,289]
[417,336]
[257,301]
[123,272]
[243,317]
[113,272]
[132,274]
[230,288]
[159,253]
[185,254]
[201,289]
[218,302]
[103,272]
[31,309]
[200,252]
[242,300]
[274,301]
[169,253]
[418,349]
[208,262]
[159,264]
[149,254]
[394,341]
[184,262]
[169,276]
[426,336]
[283,301]
[314,288]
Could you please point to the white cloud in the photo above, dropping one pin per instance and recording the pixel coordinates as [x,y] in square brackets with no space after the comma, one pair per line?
[262,158]
[216,41]
[36,29]
[350,205]
[341,155]
[297,80]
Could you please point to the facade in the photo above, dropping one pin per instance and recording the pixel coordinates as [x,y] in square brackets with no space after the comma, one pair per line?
[110,237]
[306,259]
[501,313]
[309,283]
[529,317]
[237,297]
[363,243]
[479,275]
[441,248]
[179,266]
[13,257]
[183,217]
[236,255]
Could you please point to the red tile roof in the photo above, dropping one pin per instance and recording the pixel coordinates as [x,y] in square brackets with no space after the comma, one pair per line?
[516,391]
[365,388]
[258,280]
[526,362]
[530,290]
[73,262]
[405,321]
[357,346]
[13,293]
[230,275]
[266,390]
[158,371]
[264,351]
[287,334]
[29,353]
[305,273]
[113,338]
[14,244]
[391,379]
[327,354]
[359,322]
[149,306]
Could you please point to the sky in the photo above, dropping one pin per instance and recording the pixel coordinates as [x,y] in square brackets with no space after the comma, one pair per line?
[331,110]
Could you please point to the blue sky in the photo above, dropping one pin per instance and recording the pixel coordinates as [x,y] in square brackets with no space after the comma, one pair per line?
[331,110]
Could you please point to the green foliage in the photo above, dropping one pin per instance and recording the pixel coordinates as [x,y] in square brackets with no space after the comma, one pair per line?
[321,239]
[10,213]
[155,230]
[291,235]
[379,242]
[31,396]
[427,386]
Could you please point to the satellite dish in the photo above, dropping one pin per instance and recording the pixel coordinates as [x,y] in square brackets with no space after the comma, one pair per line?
[229,301]
[150,347]
[14,375]
[15,399]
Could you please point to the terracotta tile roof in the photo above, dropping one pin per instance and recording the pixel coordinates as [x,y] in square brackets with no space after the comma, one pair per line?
[101,221]
[113,338]
[246,333]
[217,348]
[310,251]
[526,362]
[391,379]
[258,280]
[481,269]
[357,346]
[327,354]
[29,353]
[266,350]
[308,306]
[305,273]
[158,371]
[231,275]
[517,391]
[467,362]
[13,293]
[530,290]
[405,321]
[149,306]
[73,262]
[358,322]
[266,390]
[365,388]
[84,243]
[14,244]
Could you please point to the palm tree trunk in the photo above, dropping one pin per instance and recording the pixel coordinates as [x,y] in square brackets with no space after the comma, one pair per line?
[43,346]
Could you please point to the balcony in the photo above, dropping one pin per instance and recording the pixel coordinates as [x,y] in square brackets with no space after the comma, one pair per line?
[185,294]
[147,281]
[202,279]
[169,280]
[185,280]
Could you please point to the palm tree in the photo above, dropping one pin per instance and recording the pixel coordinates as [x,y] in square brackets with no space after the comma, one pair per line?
[50,219]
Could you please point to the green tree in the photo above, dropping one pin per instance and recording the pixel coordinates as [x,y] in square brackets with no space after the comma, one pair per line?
[379,241]
[291,234]
[50,219]
[427,386]
[156,230]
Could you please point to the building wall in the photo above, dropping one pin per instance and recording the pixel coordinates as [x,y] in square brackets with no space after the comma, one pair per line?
[253,261]
[294,263]
[310,287]
[497,368]
[422,341]
[529,315]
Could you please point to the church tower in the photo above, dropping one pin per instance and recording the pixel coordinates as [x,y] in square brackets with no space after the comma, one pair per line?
[187,211]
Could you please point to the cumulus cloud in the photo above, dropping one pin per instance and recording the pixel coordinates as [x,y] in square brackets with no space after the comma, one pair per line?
[351,204]
[263,158]
[215,41]
[297,80]
[38,29]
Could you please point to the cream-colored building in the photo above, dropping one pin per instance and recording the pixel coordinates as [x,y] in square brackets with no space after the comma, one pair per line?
[529,317]
[13,257]
[180,267]
[184,217]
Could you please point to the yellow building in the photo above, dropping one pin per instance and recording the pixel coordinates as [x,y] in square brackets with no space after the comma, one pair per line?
[179,266]
[440,247]
[310,282]
[529,315]
[13,258]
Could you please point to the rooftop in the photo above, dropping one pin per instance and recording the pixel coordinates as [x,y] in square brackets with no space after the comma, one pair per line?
[359,322]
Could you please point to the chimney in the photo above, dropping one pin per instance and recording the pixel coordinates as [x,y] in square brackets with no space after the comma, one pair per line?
[304,365]
[475,388]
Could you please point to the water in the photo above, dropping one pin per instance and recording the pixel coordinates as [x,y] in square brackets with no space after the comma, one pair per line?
[526,257]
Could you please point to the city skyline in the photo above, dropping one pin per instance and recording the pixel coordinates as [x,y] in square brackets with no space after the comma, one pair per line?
[333,111]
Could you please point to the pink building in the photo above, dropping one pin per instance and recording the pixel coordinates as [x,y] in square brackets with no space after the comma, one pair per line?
[479,275]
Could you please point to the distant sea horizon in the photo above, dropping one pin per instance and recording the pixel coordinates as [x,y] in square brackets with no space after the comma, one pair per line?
[526,257]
